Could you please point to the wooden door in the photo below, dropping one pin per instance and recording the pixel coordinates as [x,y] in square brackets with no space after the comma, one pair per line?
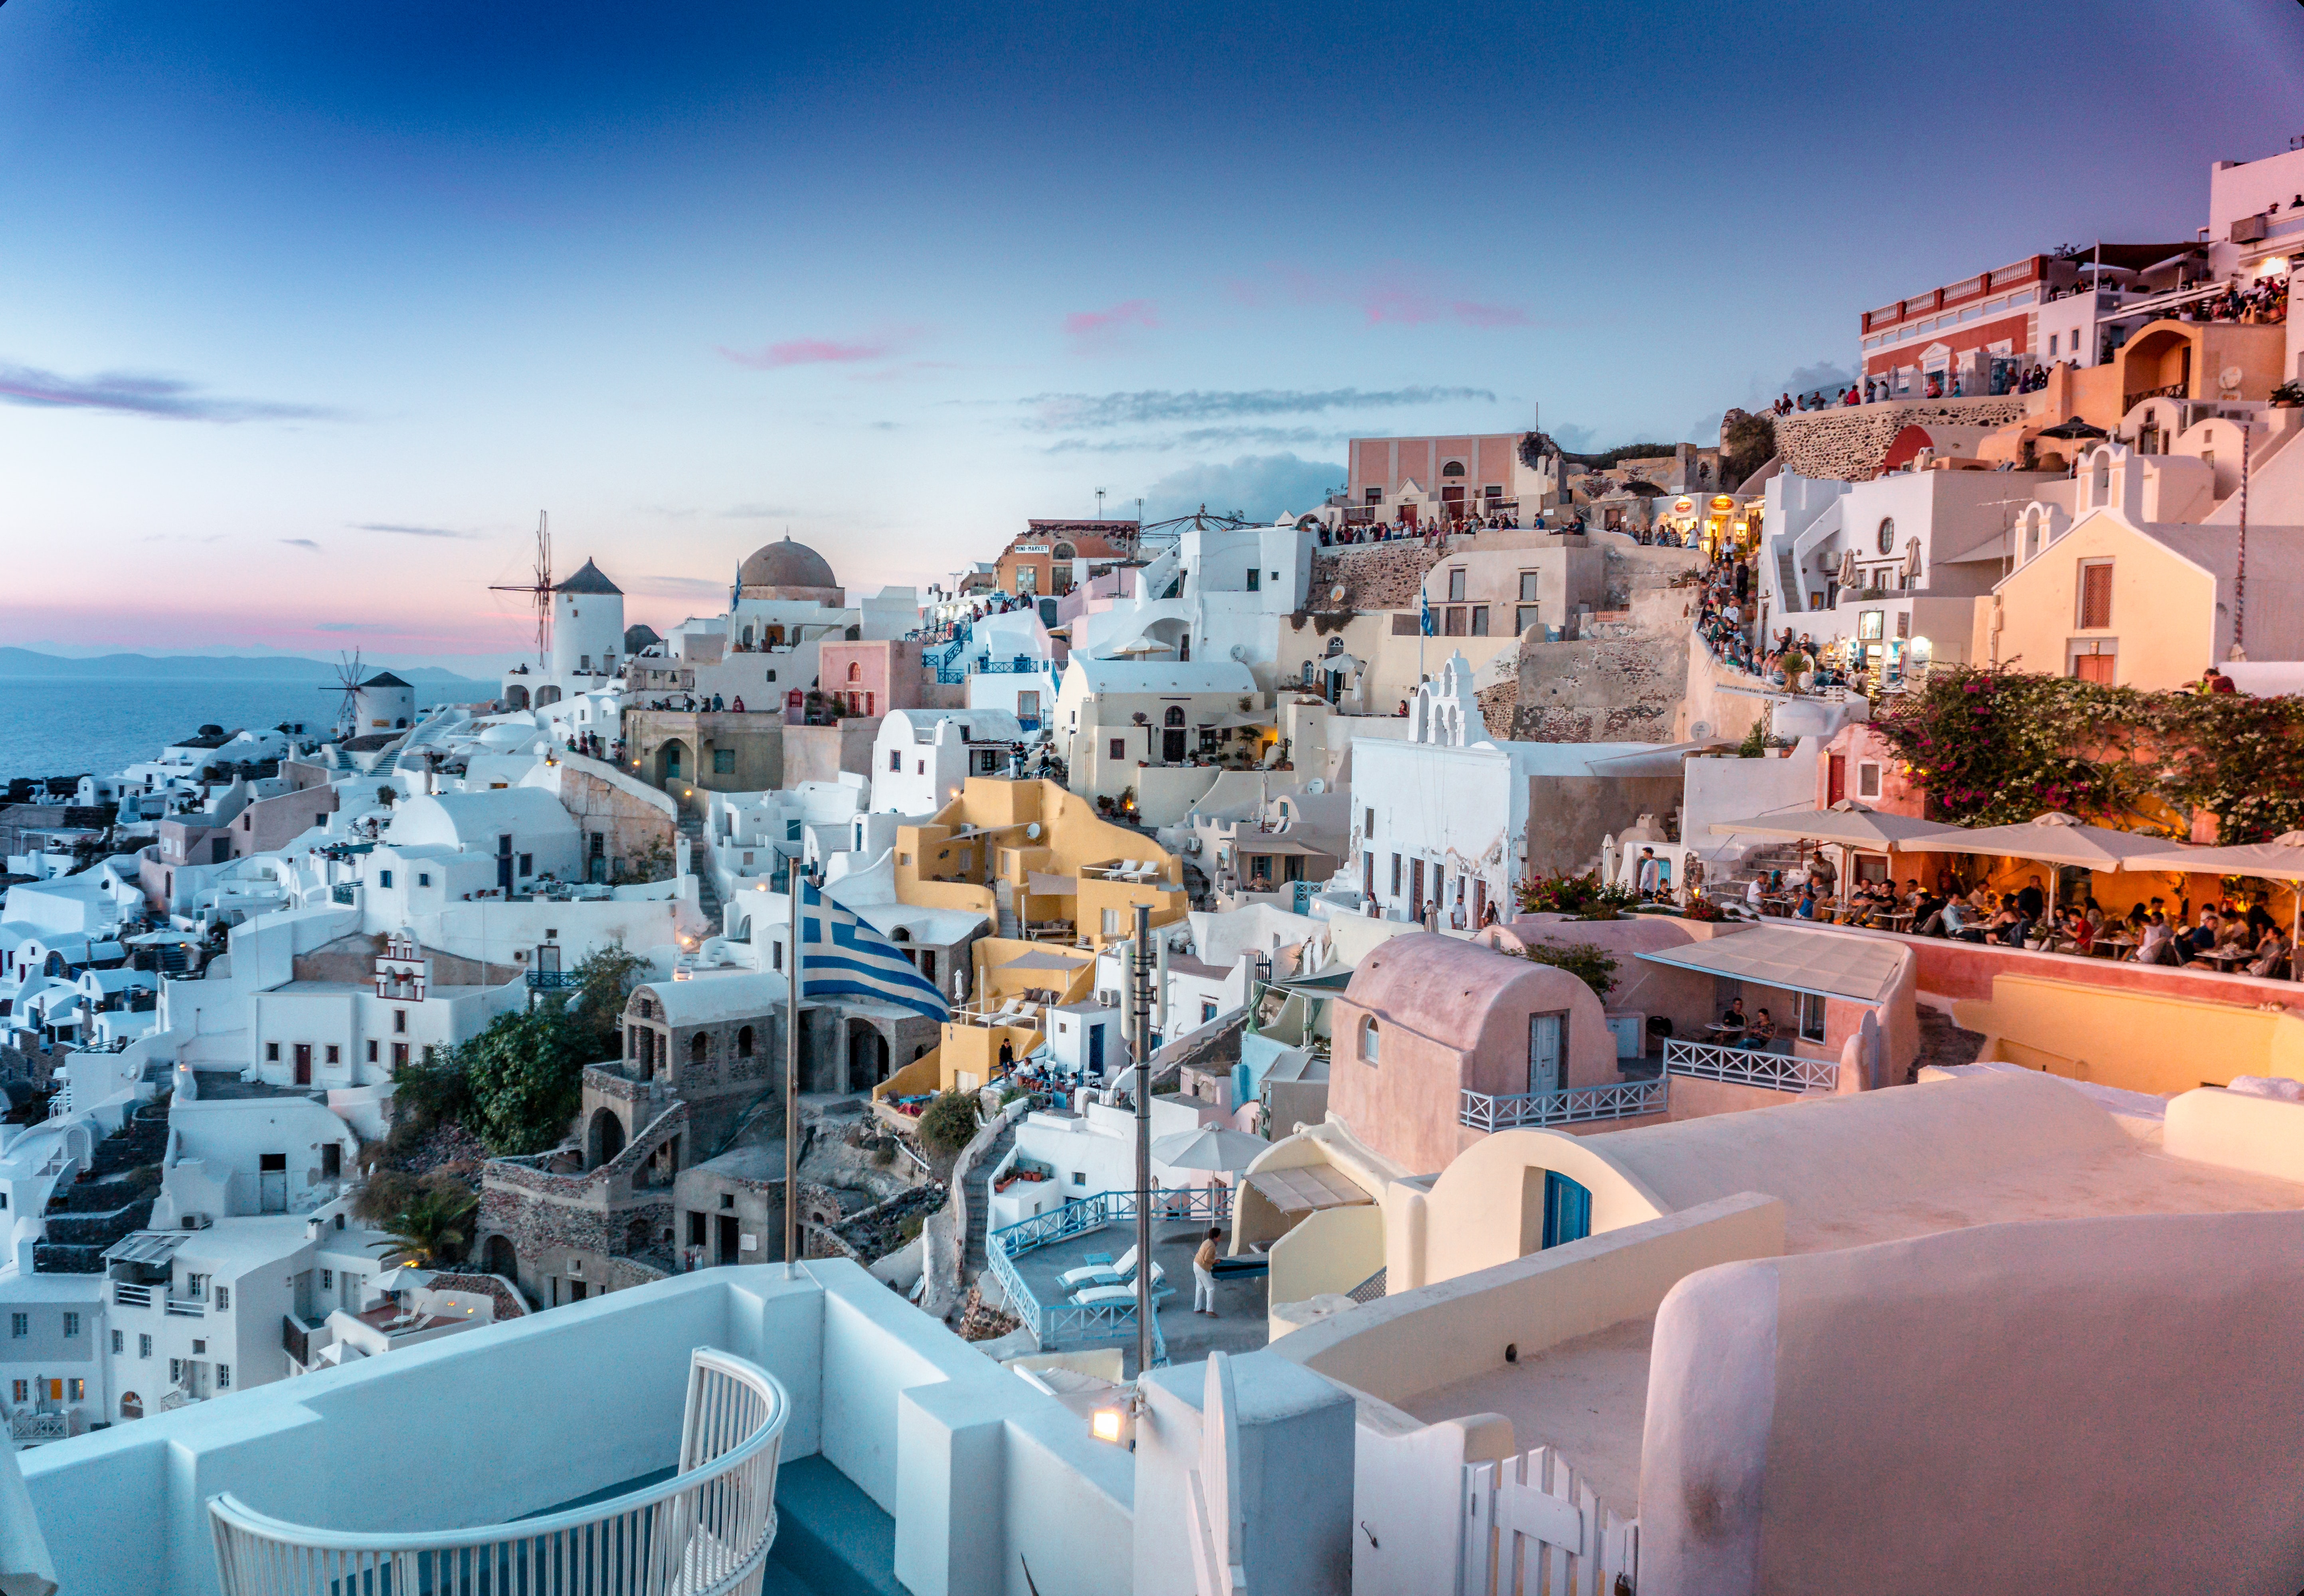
[1416,888]
[303,1063]
[1547,1058]
[1835,779]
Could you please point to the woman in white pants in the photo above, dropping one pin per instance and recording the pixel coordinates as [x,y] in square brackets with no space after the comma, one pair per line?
[1204,1274]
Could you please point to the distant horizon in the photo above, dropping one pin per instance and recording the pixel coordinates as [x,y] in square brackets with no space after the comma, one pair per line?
[482,668]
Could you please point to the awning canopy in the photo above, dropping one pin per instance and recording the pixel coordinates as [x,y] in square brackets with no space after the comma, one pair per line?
[1823,964]
[1039,884]
[1038,960]
[2050,839]
[1845,822]
[1211,1149]
[1272,843]
[146,1247]
[2280,859]
[1307,1188]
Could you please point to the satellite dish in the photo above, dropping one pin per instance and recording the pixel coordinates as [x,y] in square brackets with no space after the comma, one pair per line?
[1316,785]
[1700,729]
[1032,831]
[1336,594]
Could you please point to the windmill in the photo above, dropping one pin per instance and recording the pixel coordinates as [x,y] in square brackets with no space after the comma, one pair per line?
[540,589]
[347,683]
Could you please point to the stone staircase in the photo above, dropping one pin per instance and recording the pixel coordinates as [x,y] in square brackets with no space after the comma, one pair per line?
[112,1197]
[979,1198]
[708,891]
[1775,856]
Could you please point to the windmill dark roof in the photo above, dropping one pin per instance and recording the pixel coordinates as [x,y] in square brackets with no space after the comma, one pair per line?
[384,678]
[589,580]
[638,637]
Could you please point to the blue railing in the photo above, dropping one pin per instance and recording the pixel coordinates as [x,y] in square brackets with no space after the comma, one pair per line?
[945,658]
[554,980]
[1111,1322]
[1022,664]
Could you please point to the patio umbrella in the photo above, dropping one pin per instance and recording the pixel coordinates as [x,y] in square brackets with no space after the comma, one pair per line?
[2052,839]
[2073,429]
[1217,1150]
[2280,859]
[1850,824]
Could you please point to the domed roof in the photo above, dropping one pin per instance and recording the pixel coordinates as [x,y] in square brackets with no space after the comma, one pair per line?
[786,565]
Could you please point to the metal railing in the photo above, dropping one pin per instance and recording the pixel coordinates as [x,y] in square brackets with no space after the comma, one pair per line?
[554,980]
[33,1428]
[1750,1066]
[704,1531]
[131,1296]
[1576,1105]
[1022,664]
[184,1307]
[1104,1321]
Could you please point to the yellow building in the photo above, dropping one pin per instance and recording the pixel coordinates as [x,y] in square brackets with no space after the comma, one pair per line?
[2122,599]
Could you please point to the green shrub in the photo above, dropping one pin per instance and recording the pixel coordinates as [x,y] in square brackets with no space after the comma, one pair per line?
[949,1123]
[1588,962]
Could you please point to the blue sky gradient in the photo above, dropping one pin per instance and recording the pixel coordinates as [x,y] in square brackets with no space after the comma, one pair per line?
[311,308]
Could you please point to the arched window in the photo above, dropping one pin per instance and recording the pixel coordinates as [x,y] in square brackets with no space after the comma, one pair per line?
[2100,480]
[744,1042]
[1065,550]
[1175,717]
[1887,535]
[1454,468]
[699,1047]
[1368,1040]
[855,671]
[1335,646]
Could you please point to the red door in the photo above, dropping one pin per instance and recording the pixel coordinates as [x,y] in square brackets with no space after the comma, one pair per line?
[1835,779]
[303,1063]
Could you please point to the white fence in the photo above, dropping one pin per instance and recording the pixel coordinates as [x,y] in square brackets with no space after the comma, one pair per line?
[705,1531]
[1532,1528]
[1750,1066]
[1624,1100]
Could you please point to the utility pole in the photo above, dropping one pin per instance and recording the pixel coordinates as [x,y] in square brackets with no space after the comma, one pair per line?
[2240,574]
[1140,1001]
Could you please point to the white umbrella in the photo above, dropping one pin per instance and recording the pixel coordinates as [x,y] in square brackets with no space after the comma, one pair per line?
[403,1277]
[1848,823]
[1214,1150]
[2052,839]
[2280,859]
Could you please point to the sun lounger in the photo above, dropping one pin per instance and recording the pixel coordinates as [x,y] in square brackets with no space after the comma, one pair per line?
[1100,1274]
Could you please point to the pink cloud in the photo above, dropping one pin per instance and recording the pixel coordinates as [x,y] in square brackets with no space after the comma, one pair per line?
[821,352]
[1100,329]
[1398,295]
[1474,314]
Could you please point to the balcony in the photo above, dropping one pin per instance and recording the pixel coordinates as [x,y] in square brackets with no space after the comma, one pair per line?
[185,1307]
[1750,1066]
[125,1295]
[706,1529]
[554,980]
[1579,1106]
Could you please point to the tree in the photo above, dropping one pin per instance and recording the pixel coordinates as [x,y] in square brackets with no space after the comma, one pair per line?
[948,1123]
[434,1226]
[525,1074]
[606,978]
[1747,442]
[1588,962]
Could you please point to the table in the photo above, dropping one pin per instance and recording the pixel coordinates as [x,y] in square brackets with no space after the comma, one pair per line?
[2223,959]
[2111,946]
[1898,921]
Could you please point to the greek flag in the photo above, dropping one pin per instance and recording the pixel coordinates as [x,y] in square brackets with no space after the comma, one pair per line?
[1424,611]
[842,956]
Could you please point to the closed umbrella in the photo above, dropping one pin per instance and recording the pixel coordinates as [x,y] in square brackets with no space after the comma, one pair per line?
[1211,1149]
[2280,859]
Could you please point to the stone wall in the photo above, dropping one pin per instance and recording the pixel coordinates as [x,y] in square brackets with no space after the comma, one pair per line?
[1847,444]
[1374,576]
[633,820]
[1620,681]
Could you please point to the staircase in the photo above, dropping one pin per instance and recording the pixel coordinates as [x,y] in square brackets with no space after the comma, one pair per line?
[1788,597]
[707,889]
[1003,899]
[979,1198]
[1777,855]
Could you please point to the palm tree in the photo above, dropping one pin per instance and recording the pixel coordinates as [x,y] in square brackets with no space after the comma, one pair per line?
[433,1227]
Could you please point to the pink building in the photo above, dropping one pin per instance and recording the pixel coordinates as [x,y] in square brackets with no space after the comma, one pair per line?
[871,678]
[1468,474]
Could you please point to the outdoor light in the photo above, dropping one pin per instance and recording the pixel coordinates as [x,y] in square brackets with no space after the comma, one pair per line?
[1108,1424]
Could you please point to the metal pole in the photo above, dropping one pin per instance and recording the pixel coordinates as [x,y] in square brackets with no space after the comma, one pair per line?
[2240,574]
[1138,1000]
[792,1076]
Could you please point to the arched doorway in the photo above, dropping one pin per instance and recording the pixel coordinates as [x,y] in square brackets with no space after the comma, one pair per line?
[545,696]
[516,696]
[604,1139]
[131,1406]
[673,763]
[1171,735]
[502,1258]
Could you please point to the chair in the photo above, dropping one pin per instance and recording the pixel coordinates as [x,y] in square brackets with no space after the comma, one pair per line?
[1100,1297]
[1100,1274]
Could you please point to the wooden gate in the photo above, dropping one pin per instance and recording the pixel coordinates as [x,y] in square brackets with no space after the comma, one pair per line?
[1532,1528]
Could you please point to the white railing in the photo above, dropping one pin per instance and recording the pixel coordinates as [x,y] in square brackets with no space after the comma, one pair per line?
[131,1296]
[1531,1526]
[705,1531]
[1750,1066]
[1622,1100]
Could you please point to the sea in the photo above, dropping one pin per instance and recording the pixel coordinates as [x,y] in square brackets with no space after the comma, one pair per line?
[65,726]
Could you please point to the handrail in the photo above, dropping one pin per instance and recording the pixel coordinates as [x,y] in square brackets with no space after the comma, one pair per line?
[1101,1322]
[1481,1111]
[704,1531]
[1750,1066]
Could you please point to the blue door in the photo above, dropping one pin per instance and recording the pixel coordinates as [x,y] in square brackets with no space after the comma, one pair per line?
[1096,1051]
[1567,1209]
[1547,1059]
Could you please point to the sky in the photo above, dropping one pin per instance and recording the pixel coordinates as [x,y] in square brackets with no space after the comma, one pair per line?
[311,309]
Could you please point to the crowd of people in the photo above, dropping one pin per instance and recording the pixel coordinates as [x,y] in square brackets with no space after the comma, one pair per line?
[1461,526]
[1724,621]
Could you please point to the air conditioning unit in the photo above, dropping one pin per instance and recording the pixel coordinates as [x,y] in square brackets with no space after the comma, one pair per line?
[2249,230]
[197,1221]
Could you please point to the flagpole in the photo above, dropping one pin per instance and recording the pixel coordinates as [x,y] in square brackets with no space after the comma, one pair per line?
[1136,998]
[791,1078]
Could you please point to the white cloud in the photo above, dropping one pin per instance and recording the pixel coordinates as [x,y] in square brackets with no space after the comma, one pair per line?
[1260,486]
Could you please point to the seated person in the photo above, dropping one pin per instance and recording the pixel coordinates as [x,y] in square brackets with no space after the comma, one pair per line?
[1733,1019]
[2158,946]
[1761,1032]
[1805,909]
[2200,939]
[2271,953]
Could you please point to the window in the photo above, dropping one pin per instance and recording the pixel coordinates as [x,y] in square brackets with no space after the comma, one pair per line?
[175,1370]
[1080,1177]
[1395,875]
[724,762]
[1368,1042]
[2096,595]
[384,878]
[196,1287]
[1868,780]
[119,1342]
[1368,828]
[896,761]
[400,1021]
[20,1325]
[1372,495]
[224,1377]
[2052,346]
[424,878]
[223,1298]
[1456,583]
[1524,616]
[332,1160]
[143,1346]
[1112,922]
[1811,1016]
[1528,586]
[1887,538]
[1255,580]
[744,1042]
[71,1325]
[1869,624]
[1119,747]
[1479,620]
[271,1052]
[372,1052]
[335,1053]
[1453,625]
[327,1280]
[1454,468]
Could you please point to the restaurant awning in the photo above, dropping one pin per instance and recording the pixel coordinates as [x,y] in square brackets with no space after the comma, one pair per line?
[1038,960]
[2280,859]
[1039,884]
[1266,842]
[1823,964]
[2052,839]
[1307,1188]
[1852,824]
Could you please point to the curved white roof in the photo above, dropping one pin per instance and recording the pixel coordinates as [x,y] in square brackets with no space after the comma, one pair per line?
[474,820]
[708,999]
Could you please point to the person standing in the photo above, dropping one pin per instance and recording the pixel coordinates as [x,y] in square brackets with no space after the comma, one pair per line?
[1204,1273]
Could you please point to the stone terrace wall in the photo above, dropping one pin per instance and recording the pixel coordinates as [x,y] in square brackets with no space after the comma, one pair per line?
[1624,679]
[1848,446]
[1374,576]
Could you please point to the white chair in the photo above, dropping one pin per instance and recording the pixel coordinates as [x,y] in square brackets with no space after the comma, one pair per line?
[1117,1273]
